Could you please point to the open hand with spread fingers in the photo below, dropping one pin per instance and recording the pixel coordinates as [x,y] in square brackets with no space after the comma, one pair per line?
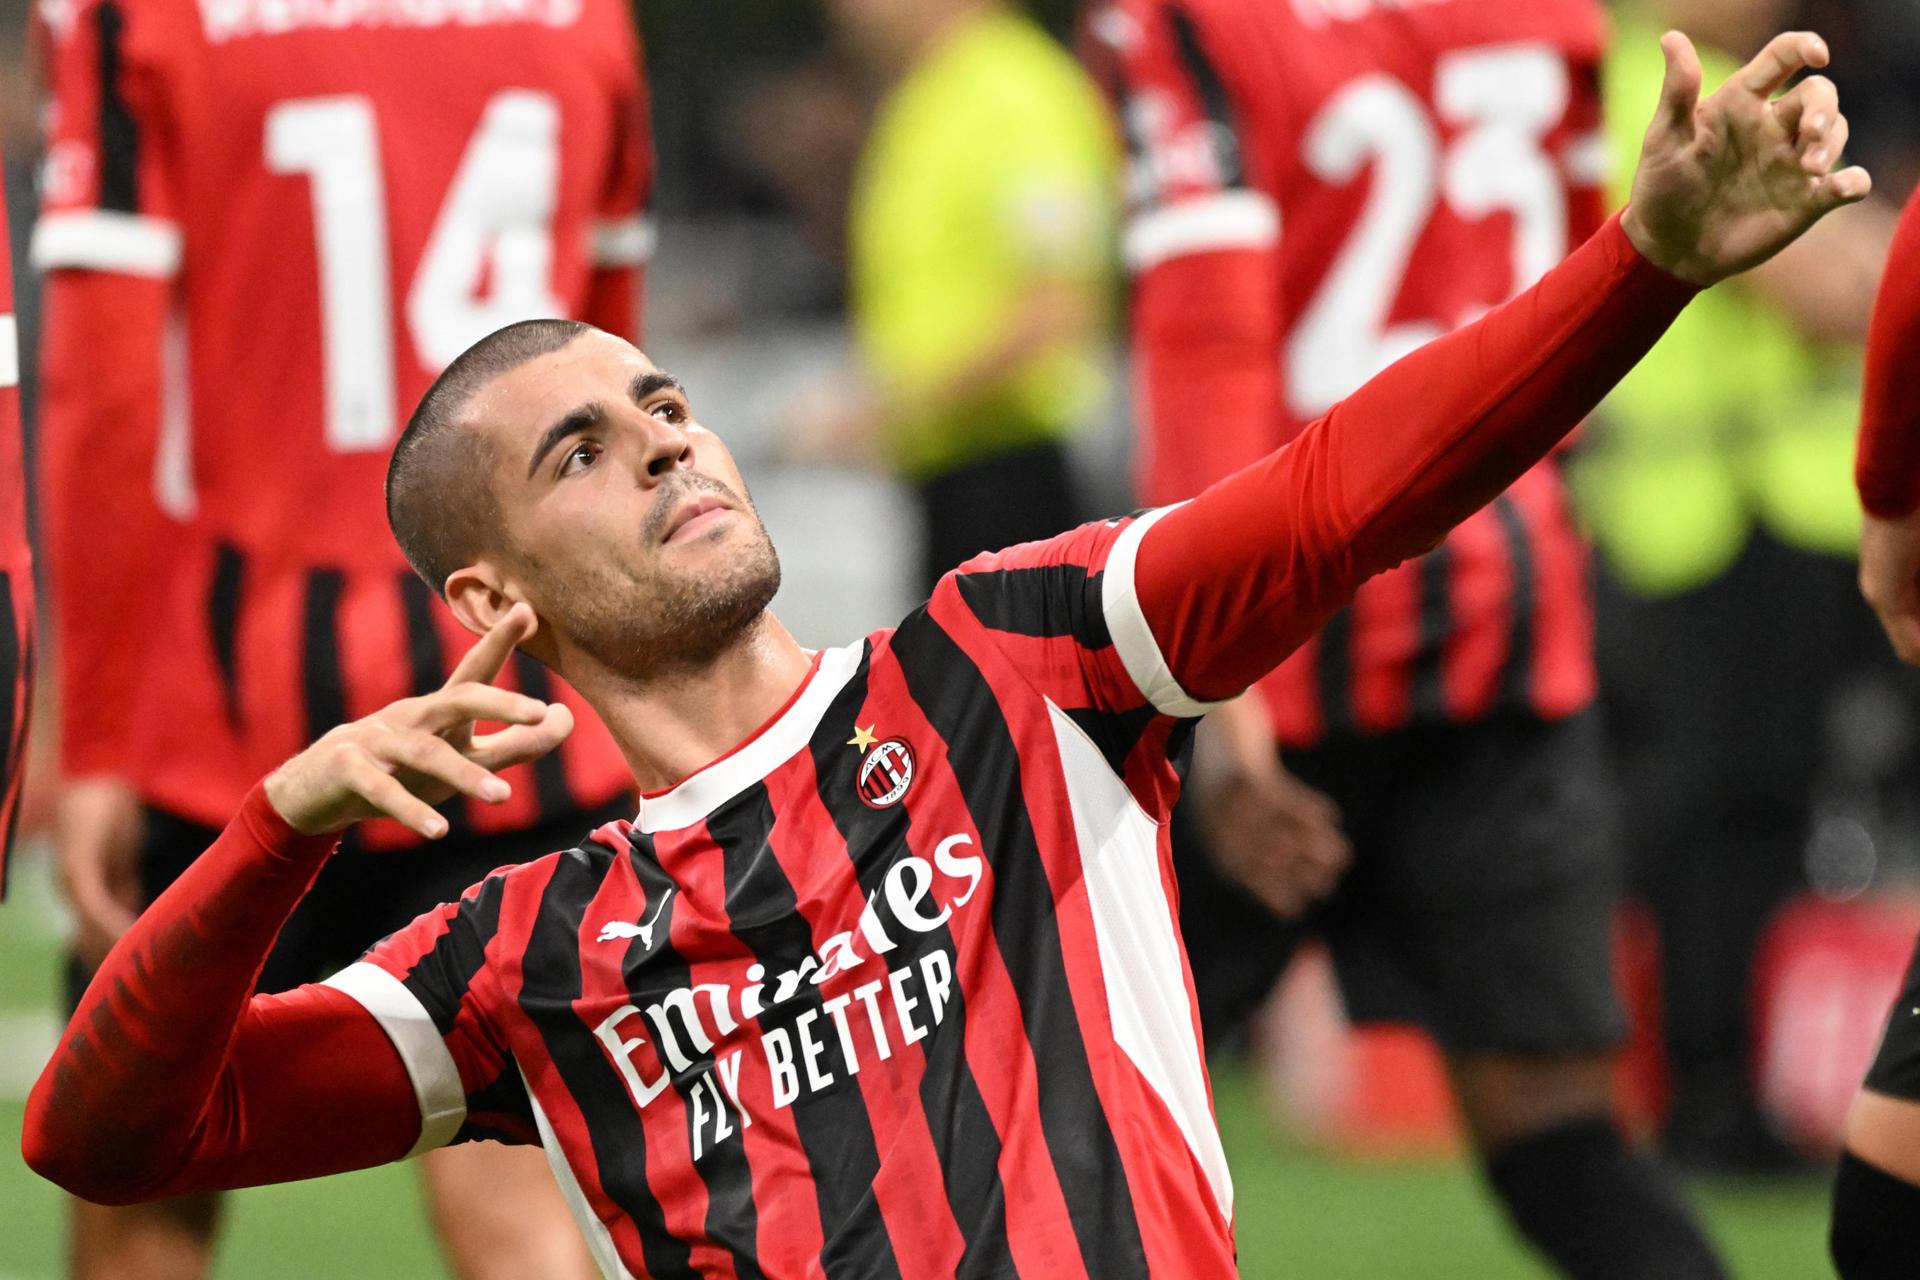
[402,760]
[1727,181]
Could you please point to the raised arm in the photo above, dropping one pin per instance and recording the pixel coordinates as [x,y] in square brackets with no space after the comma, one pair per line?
[1233,581]
[172,1076]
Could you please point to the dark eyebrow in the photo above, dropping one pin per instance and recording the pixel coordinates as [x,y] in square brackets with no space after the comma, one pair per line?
[648,383]
[586,415]
[574,423]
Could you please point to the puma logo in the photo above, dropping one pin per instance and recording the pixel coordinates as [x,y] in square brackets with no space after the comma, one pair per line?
[614,930]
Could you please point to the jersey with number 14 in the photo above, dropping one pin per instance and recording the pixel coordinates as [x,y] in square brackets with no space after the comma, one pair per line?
[342,199]
[1386,171]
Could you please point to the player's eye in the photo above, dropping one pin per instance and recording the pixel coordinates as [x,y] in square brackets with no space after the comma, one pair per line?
[671,410]
[578,458]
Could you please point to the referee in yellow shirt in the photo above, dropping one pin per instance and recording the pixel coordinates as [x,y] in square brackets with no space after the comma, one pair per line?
[981,264]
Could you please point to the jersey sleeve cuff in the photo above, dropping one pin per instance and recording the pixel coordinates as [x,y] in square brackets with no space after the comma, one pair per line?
[103,240]
[436,1081]
[1133,639]
[1627,256]
[271,832]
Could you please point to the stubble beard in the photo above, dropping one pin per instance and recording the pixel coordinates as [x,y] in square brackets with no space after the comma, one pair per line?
[642,626]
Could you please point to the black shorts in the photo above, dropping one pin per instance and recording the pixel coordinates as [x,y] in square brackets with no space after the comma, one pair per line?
[359,898]
[1480,900]
[1896,1067]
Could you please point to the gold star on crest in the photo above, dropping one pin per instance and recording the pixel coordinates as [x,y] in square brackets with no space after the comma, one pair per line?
[862,738]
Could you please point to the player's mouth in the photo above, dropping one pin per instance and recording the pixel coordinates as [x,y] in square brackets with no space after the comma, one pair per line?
[695,517]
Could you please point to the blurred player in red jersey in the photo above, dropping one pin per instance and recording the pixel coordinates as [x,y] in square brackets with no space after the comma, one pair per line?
[883,978]
[1876,1201]
[1317,189]
[16,571]
[267,227]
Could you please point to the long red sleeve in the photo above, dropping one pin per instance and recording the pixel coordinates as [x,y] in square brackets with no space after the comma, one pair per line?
[1887,469]
[1235,580]
[174,1077]
[106,537]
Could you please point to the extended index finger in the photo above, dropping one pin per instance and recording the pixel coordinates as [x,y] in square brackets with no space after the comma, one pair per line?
[1785,56]
[483,662]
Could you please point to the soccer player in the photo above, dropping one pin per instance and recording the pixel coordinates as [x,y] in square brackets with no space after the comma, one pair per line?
[16,571]
[267,226]
[1317,189]
[883,977]
[1876,1198]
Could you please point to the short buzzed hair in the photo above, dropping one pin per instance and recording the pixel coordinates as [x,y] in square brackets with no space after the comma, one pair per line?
[440,501]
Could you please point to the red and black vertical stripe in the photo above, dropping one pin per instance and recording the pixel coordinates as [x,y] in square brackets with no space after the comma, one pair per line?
[224,596]
[959,704]
[613,1126]
[440,981]
[964,1139]
[1433,626]
[1429,691]
[732,1223]
[1061,602]
[1214,97]
[119,131]
[323,694]
[1516,677]
[833,1125]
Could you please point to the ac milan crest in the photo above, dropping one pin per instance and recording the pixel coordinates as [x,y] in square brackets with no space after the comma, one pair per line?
[885,773]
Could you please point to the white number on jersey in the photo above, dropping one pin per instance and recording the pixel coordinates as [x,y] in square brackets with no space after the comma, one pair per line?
[496,223]
[1506,99]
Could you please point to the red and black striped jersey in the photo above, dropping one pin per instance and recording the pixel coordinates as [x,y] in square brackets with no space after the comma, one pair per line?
[1315,189]
[16,570]
[268,227]
[894,989]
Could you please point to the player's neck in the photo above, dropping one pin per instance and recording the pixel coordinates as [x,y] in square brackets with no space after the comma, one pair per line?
[674,726]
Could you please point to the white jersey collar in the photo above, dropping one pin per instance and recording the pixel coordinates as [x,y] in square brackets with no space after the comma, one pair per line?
[698,794]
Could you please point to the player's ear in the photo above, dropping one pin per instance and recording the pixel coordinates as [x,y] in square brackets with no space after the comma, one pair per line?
[478,597]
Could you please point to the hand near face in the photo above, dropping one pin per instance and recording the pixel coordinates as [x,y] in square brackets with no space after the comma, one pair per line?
[404,759]
[1727,181]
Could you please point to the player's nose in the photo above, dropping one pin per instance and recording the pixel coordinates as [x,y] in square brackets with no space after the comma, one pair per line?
[659,447]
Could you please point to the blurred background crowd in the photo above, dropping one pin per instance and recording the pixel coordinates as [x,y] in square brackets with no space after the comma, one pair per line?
[1763,745]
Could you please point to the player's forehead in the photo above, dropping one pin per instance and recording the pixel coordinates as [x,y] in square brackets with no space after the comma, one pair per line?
[524,400]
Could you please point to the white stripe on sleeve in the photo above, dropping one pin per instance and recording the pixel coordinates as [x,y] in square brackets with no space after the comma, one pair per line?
[436,1081]
[1132,637]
